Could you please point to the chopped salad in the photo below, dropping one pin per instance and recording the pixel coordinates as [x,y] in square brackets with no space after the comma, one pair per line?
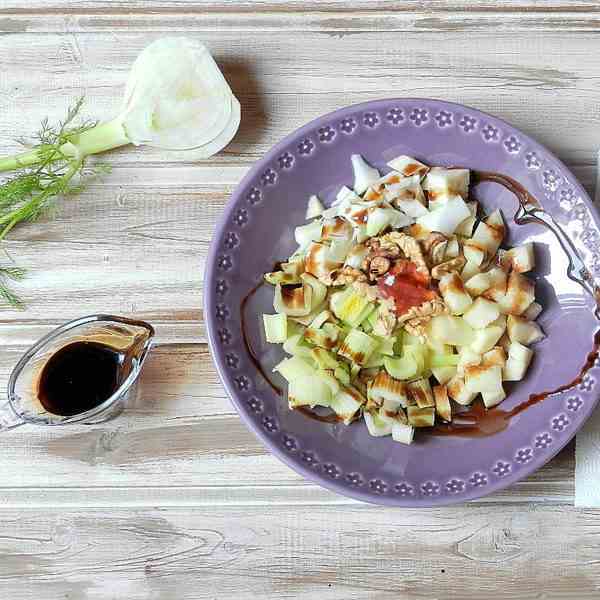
[400,304]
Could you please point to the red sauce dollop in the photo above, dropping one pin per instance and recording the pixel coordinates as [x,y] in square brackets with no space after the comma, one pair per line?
[405,286]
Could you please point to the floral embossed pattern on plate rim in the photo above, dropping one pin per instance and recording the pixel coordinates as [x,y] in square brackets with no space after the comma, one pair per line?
[498,469]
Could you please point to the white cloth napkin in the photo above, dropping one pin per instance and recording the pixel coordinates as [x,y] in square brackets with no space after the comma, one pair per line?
[587,445]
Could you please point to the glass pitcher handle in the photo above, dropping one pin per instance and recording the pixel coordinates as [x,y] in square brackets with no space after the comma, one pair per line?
[8,418]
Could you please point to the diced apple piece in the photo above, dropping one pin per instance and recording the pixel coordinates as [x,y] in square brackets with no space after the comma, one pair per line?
[454,294]
[490,232]
[442,402]
[402,433]
[447,218]
[477,284]
[486,339]
[447,182]
[492,398]
[421,417]
[408,166]
[458,391]
[495,356]
[467,358]
[498,278]
[469,270]
[450,330]
[519,357]
[499,322]
[443,374]
[504,342]
[465,228]
[523,331]
[520,293]
[481,313]
[533,311]
[452,248]
[474,253]
[483,378]
[420,390]
[520,258]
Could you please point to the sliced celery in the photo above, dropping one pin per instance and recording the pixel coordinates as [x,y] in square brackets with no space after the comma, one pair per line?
[319,290]
[403,367]
[275,328]
[328,377]
[323,358]
[358,347]
[388,389]
[309,390]
[342,374]
[326,336]
[296,346]
[443,360]
[347,403]
[386,345]
[294,368]
[375,360]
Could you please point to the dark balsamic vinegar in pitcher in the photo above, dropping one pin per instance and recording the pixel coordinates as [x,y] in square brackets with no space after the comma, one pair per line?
[79,377]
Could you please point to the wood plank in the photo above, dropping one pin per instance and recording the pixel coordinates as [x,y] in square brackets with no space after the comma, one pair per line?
[181,438]
[354,552]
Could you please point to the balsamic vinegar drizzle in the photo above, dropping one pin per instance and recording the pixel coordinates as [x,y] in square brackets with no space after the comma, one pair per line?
[478,421]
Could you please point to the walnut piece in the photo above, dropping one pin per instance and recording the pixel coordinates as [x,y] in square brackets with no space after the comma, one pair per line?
[347,275]
[410,247]
[426,311]
[378,266]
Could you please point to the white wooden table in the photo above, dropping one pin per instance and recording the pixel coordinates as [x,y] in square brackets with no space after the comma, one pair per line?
[176,499]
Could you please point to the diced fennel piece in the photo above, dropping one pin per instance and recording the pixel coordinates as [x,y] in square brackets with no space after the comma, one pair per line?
[454,293]
[478,284]
[336,228]
[358,347]
[420,391]
[519,357]
[533,311]
[293,301]
[375,360]
[459,392]
[342,374]
[294,368]
[386,344]
[469,270]
[376,426]
[443,360]
[442,402]
[452,249]
[450,330]
[319,262]
[438,348]
[296,346]
[311,232]
[404,367]
[323,358]
[339,249]
[421,416]
[282,277]
[481,313]
[347,403]
[419,354]
[319,290]
[408,166]
[329,378]
[327,336]
[446,218]
[364,174]
[387,389]
[403,433]
[320,319]
[443,374]
[485,339]
[309,390]
[382,217]
[314,208]
[275,328]
[356,256]
[474,253]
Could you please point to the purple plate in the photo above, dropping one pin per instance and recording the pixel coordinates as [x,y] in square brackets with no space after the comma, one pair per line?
[256,230]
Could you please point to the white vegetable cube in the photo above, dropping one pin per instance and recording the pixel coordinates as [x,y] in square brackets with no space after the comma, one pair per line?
[450,330]
[495,356]
[499,322]
[466,227]
[483,378]
[376,426]
[519,357]
[446,218]
[421,392]
[346,404]
[486,339]
[477,284]
[520,293]
[275,328]
[467,357]
[490,233]
[474,253]
[469,270]
[443,374]
[481,313]
[442,402]
[498,278]
[520,258]
[447,182]
[408,166]
[492,398]
[533,311]
[314,208]
[458,391]
[402,433]
[454,294]
[523,331]
[364,174]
